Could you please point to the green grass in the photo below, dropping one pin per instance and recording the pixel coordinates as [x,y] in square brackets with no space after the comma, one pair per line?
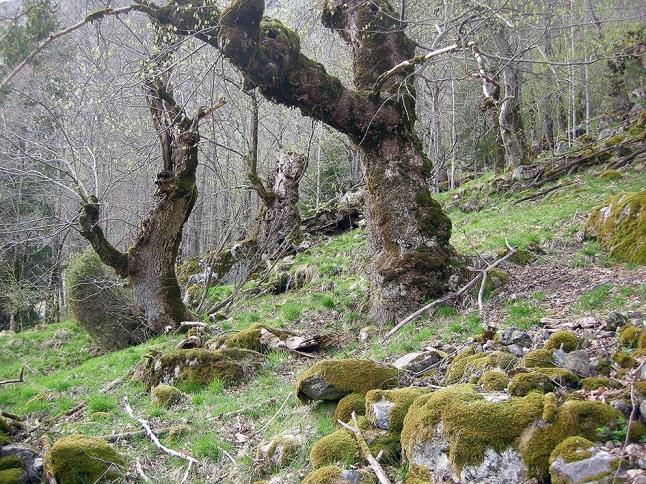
[606,296]
[523,313]
[210,446]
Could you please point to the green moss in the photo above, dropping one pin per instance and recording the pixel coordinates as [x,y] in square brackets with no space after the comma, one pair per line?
[550,407]
[10,462]
[522,257]
[4,438]
[574,417]
[77,459]
[541,358]
[629,336]
[339,447]
[402,398]
[641,344]
[323,475]
[11,476]
[493,381]
[624,360]
[470,423]
[637,432]
[610,175]
[353,402]
[523,383]
[619,224]
[475,365]
[418,475]
[201,367]
[4,426]
[565,339]
[640,388]
[166,395]
[249,338]
[572,449]
[596,382]
[468,351]
[614,140]
[186,269]
[348,376]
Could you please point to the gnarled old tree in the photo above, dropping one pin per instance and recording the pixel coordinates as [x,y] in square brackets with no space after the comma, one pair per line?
[279,225]
[408,231]
[149,265]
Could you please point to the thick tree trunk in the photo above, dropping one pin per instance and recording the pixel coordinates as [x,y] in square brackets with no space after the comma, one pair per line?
[411,257]
[280,220]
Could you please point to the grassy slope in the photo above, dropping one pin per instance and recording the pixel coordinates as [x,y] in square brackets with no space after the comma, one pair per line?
[63,375]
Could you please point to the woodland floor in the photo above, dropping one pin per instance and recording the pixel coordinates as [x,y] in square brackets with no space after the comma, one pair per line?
[65,382]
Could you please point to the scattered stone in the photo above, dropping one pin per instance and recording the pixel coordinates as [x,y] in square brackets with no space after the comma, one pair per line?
[578,363]
[419,362]
[514,336]
[335,475]
[604,133]
[572,469]
[78,458]
[559,358]
[515,350]
[190,342]
[279,450]
[333,379]
[166,395]
[386,409]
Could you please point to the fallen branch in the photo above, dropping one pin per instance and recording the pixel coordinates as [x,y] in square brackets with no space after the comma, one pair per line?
[539,193]
[129,435]
[365,450]
[140,471]
[449,296]
[20,378]
[190,324]
[144,423]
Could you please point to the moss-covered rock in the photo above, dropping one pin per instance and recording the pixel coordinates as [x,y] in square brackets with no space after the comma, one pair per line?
[76,459]
[610,175]
[574,417]
[166,395]
[541,358]
[4,438]
[339,447]
[637,432]
[620,225]
[386,409]
[565,340]
[11,476]
[197,365]
[458,424]
[336,475]
[473,366]
[493,381]
[249,339]
[11,461]
[624,360]
[629,336]
[333,379]
[522,257]
[523,383]
[353,402]
[596,382]
[279,451]
[4,426]
[572,449]
[418,475]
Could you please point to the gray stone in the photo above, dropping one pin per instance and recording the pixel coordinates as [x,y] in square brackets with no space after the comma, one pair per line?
[578,363]
[515,336]
[419,361]
[601,462]
[367,332]
[614,320]
[32,465]
[516,350]
[642,411]
[351,476]
[278,451]
[380,411]
[558,358]
[622,406]
[605,133]
[635,110]
[604,122]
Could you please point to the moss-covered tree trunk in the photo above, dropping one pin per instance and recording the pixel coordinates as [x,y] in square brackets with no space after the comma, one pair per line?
[409,234]
[149,264]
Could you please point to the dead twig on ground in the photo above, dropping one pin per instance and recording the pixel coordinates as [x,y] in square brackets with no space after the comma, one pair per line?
[365,450]
[20,379]
[539,193]
[140,471]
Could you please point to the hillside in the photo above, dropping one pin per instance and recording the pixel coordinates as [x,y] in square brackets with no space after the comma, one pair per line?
[567,283]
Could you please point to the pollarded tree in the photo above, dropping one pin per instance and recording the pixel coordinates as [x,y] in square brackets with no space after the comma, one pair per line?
[411,257]
[149,265]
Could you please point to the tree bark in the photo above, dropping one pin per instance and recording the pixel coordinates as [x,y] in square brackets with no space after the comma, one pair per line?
[149,264]
[411,257]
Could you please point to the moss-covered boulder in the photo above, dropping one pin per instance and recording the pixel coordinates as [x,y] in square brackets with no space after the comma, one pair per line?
[78,459]
[200,366]
[250,338]
[166,395]
[576,460]
[333,379]
[339,447]
[386,409]
[565,340]
[493,381]
[472,367]
[630,336]
[354,402]
[541,380]
[279,450]
[541,358]
[11,476]
[458,435]
[574,417]
[11,461]
[620,225]
[596,382]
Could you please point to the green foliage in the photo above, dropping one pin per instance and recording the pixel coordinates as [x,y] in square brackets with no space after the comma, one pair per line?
[522,314]
[210,446]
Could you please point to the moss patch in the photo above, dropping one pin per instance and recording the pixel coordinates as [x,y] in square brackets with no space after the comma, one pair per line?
[339,447]
[470,423]
[541,358]
[166,395]
[11,476]
[347,376]
[77,458]
[354,402]
[493,381]
[596,382]
[566,340]
[10,462]
[249,338]
[620,225]
[629,336]
[572,449]
[475,365]
[574,417]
